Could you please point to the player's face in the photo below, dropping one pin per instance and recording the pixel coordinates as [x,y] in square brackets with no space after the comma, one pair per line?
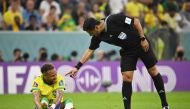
[51,76]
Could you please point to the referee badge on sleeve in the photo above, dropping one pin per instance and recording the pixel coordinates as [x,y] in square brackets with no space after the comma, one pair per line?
[122,36]
[128,20]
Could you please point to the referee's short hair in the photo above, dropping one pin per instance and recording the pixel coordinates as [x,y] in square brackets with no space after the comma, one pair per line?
[90,23]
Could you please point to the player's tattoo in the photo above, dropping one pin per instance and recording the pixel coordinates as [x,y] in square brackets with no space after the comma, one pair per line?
[37,99]
[59,96]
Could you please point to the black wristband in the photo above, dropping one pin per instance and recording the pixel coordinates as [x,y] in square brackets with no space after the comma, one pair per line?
[79,65]
[142,38]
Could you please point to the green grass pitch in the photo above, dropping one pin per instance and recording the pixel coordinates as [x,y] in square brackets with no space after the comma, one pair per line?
[177,100]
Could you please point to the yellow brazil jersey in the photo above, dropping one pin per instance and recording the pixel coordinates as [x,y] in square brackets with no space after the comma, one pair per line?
[134,9]
[9,16]
[48,91]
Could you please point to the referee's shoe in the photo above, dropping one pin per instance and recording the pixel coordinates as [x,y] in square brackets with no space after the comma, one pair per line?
[166,107]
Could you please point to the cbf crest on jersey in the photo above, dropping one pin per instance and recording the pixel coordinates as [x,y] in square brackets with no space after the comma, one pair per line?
[122,36]
[61,83]
[54,93]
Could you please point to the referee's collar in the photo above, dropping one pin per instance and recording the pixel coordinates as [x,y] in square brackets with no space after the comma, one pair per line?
[106,28]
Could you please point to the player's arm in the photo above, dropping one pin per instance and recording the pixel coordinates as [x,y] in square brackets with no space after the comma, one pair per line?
[86,56]
[37,99]
[57,101]
[144,42]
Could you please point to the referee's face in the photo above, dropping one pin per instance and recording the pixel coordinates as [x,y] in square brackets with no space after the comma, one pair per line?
[93,32]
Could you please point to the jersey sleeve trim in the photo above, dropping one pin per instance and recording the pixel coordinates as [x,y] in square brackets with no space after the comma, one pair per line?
[34,89]
[106,28]
[62,87]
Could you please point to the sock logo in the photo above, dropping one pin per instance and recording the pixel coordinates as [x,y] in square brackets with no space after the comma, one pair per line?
[124,98]
[161,91]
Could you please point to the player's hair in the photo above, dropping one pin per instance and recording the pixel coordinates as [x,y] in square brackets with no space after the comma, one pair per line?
[90,23]
[46,67]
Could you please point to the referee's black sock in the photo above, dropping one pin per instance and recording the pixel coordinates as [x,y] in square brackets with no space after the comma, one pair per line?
[159,84]
[127,92]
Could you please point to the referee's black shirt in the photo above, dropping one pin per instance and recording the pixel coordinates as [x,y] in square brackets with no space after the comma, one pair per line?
[119,31]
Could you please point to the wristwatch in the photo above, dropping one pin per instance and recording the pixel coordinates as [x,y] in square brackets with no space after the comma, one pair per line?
[142,38]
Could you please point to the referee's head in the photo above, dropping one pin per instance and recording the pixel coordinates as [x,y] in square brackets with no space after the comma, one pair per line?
[90,23]
[92,26]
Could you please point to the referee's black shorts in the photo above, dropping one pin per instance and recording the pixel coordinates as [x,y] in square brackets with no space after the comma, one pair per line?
[129,59]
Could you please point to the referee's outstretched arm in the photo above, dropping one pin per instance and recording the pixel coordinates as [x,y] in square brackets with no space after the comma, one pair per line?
[86,56]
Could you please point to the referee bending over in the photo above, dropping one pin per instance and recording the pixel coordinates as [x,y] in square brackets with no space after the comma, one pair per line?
[125,32]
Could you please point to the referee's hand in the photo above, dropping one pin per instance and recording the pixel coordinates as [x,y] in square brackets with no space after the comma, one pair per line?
[145,45]
[72,73]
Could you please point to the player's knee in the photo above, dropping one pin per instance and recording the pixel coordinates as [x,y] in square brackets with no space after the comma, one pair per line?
[68,103]
[127,76]
[153,71]
[44,102]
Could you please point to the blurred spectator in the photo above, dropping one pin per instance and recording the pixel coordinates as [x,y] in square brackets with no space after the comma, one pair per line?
[80,23]
[80,11]
[73,56]
[109,55]
[173,18]
[43,55]
[151,19]
[17,53]
[185,14]
[3,6]
[104,7]
[100,55]
[160,12]
[46,5]
[180,54]
[17,25]
[88,4]
[134,8]
[32,24]
[64,4]
[164,41]
[37,4]
[10,16]
[51,18]
[1,57]
[67,23]
[17,4]
[30,11]
[43,27]
[117,6]
[25,57]
[168,4]
[96,13]
[56,57]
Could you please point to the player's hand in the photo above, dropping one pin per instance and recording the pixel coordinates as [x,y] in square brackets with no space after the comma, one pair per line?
[49,108]
[145,45]
[44,106]
[72,73]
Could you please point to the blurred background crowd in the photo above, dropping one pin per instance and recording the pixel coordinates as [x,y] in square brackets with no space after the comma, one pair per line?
[164,21]
[68,15]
